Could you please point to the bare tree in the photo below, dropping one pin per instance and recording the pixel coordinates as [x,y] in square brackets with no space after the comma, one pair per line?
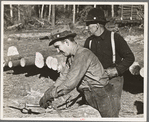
[53,15]
[74,13]
[11,12]
[64,7]
[19,14]
[77,9]
[112,10]
[49,12]
[42,11]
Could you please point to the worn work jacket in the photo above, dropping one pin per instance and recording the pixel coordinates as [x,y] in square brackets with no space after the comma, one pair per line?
[102,48]
[83,70]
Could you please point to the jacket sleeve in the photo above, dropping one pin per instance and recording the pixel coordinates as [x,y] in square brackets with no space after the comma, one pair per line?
[125,52]
[77,71]
[62,77]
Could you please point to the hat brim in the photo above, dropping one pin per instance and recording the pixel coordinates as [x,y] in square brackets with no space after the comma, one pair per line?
[88,22]
[62,38]
[96,21]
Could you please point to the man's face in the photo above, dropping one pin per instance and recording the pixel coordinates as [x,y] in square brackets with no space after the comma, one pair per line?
[92,28]
[62,47]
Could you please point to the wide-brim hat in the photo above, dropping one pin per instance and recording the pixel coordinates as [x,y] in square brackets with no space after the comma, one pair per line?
[95,16]
[61,36]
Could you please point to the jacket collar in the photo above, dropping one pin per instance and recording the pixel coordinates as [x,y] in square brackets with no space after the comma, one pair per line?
[103,34]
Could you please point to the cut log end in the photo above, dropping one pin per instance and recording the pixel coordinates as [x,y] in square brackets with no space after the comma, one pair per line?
[54,64]
[12,51]
[22,62]
[142,72]
[10,64]
[39,60]
[48,61]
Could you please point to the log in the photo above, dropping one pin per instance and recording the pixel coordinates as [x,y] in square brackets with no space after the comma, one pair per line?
[42,23]
[39,60]
[14,26]
[11,59]
[27,61]
[13,63]
[12,51]
[36,60]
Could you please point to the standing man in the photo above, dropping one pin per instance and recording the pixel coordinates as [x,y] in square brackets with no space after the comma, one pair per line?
[83,71]
[111,49]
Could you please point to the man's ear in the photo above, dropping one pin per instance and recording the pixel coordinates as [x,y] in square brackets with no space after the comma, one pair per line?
[67,42]
[98,24]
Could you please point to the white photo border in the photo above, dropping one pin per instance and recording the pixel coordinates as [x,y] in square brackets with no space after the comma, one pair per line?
[84,3]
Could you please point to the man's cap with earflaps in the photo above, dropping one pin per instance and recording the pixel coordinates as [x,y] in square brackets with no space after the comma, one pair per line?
[60,35]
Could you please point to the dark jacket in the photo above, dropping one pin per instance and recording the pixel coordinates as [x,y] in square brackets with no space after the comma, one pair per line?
[101,47]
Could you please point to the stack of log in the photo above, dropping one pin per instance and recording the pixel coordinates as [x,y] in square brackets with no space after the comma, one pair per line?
[131,12]
[39,59]
[54,62]
[32,49]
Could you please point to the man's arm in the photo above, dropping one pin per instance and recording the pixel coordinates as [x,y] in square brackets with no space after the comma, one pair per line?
[62,77]
[75,74]
[125,52]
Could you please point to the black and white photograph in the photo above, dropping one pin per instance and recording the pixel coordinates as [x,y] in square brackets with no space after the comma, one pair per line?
[77,61]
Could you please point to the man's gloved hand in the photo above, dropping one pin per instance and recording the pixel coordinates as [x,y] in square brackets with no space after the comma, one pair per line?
[112,72]
[44,103]
[48,97]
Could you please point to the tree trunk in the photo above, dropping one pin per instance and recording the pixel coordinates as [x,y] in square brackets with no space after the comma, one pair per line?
[64,8]
[19,13]
[53,15]
[131,12]
[42,11]
[39,10]
[68,8]
[11,12]
[49,13]
[77,9]
[112,10]
[74,13]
